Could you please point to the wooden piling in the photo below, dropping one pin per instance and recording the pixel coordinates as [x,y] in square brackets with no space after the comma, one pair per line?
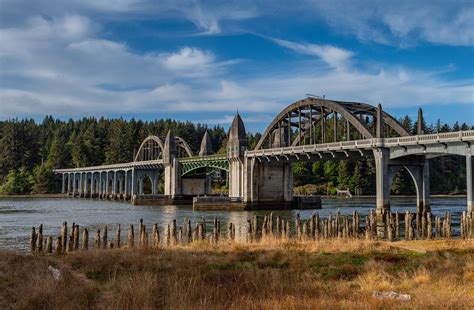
[189,231]
[410,227]
[317,231]
[355,224]
[429,229]
[397,225]
[58,248]
[97,241]
[423,226]
[76,237]
[438,227]
[64,236]
[298,226]
[248,231]
[278,228]
[214,230]
[85,239]
[49,245]
[104,236]
[174,232]
[131,237]
[254,228]
[288,230]
[39,239]
[117,236]
[33,240]
[448,223]
[304,232]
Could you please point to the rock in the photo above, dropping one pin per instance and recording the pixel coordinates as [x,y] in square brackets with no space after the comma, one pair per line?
[391,295]
[55,273]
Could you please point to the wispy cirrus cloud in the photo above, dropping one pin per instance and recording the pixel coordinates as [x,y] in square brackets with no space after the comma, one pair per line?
[334,56]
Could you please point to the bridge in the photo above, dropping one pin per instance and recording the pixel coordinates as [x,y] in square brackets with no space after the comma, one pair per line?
[312,129]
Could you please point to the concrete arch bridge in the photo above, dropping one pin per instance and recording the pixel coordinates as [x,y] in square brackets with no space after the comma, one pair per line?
[311,129]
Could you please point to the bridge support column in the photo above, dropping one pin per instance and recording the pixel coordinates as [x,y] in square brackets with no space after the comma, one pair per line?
[114,186]
[470,183]
[81,184]
[268,184]
[126,177]
[69,183]
[425,192]
[134,183]
[382,188]
[63,187]
[172,188]
[154,188]
[236,178]
[92,185]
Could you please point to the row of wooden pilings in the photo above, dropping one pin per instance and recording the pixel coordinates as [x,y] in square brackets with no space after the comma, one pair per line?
[256,229]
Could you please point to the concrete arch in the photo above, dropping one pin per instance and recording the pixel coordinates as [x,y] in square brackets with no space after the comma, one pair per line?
[350,111]
[149,140]
[420,180]
[180,142]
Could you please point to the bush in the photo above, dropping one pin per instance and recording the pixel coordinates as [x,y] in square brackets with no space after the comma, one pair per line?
[17,182]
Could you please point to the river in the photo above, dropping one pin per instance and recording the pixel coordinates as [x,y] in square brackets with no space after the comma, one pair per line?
[18,215]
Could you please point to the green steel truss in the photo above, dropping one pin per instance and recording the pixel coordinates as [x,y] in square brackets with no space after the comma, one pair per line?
[214,162]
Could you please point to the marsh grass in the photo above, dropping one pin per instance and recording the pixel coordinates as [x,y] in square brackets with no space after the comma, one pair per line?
[267,275]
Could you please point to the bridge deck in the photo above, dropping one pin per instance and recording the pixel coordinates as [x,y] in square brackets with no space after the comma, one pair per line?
[449,137]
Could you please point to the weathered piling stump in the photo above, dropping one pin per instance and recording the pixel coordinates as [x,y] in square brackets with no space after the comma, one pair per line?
[397,225]
[174,233]
[317,230]
[189,231]
[429,229]
[64,236]
[33,240]
[131,237]
[117,235]
[97,241]
[58,249]
[39,239]
[304,232]
[85,239]
[248,231]
[438,227]
[254,228]
[49,245]
[104,236]
[76,237]
[288,230]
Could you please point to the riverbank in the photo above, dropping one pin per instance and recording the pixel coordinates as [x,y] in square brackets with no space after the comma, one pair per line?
[45,196]
[269,275]
[34,196]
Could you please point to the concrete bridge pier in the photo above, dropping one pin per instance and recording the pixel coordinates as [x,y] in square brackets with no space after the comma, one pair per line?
[470,183]
[382,188]
[270,184]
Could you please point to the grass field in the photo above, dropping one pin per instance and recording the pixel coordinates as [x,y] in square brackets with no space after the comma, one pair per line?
[267,275]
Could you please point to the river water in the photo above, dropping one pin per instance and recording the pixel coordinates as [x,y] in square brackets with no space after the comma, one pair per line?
[18,215]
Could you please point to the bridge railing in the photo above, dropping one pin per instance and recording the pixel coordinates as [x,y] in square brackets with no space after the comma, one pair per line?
[204,158]
[460,136]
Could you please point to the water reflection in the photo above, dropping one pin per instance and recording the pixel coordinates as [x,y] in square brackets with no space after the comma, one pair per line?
[18,215]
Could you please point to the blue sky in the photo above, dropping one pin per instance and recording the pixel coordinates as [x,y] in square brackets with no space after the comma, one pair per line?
[204,60]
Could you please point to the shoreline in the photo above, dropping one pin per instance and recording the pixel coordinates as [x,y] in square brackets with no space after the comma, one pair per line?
[44,196]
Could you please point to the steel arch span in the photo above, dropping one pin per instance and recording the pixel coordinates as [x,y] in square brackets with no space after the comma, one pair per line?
[306,121]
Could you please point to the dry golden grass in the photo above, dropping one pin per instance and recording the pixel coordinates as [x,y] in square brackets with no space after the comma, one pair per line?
[267,275]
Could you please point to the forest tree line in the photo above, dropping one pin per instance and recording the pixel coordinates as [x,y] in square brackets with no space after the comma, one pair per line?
[30,150]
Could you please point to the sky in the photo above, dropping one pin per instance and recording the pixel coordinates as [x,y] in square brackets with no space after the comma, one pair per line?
[204,60]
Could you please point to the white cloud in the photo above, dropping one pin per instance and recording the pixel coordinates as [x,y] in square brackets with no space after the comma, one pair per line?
[404,22]
[188,58]
[333,56]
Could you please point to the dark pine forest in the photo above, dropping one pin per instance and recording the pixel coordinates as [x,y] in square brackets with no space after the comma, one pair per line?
[30,150]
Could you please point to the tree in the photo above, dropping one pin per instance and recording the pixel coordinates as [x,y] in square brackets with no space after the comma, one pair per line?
[343,174]
[17,182]
[44,180]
